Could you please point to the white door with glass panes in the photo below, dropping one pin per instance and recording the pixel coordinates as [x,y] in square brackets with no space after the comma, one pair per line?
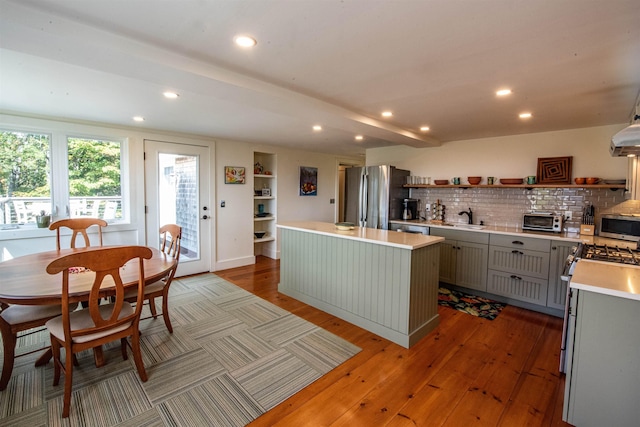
[177,192]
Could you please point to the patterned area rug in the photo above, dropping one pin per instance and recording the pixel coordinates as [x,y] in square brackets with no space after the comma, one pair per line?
[470,304]
[232,357]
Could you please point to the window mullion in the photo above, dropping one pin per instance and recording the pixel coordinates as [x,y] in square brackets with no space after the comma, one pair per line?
[59,176]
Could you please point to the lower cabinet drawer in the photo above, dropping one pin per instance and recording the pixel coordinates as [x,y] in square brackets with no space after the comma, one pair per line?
[519,261]
[522,288]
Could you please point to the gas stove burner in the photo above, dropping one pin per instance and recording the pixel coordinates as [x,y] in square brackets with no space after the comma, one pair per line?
[611,254]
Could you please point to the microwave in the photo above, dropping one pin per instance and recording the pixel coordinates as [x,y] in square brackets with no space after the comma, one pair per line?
[620,226]
[542,221]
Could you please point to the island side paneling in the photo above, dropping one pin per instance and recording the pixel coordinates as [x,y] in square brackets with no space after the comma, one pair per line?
[387,290]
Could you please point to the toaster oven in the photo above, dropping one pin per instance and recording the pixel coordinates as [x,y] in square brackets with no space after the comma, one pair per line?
[542,221]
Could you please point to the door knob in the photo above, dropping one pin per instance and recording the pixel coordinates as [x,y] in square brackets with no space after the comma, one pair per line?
[205,217]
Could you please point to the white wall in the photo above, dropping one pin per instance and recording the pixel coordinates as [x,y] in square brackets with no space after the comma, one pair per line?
[234,222]
[513,156]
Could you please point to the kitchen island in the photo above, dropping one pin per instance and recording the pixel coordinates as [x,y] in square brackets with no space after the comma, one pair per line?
[383,281]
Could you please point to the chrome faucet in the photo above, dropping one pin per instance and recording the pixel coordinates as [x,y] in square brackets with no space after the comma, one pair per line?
[469,214]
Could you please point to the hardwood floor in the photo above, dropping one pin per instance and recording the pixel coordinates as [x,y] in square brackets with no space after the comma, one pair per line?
[468,371]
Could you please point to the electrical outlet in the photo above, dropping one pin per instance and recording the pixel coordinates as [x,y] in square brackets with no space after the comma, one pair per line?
[567,215]
[222,203]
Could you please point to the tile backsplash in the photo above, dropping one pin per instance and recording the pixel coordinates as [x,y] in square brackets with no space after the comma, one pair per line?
[505,206]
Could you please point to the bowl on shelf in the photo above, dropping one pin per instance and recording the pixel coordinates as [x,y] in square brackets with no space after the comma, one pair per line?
[592,181]
[580,181]
[260,234]
[511,181]
[441,181]
[474,180]
[262,214]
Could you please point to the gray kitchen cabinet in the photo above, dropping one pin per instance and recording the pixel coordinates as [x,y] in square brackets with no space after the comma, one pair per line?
[520,242]
[519,268]
[463,258]
[520,287]
[557,294]
[603,364]
[448,261]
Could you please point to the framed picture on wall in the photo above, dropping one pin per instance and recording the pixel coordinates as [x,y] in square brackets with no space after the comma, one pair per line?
[308,181]
[234,175]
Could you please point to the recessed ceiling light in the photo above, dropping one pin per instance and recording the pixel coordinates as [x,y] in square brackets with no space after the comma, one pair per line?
[525,115]
[170,95]
[245,41]
[317,128]
[424,129]
[359,137]
[138,119]
[503,92]
[387,114]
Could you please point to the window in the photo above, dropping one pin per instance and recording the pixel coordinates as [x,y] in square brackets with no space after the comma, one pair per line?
[25,182]
[95,185]
[87,173]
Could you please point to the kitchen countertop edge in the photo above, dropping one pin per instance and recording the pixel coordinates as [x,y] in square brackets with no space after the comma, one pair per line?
[618,280]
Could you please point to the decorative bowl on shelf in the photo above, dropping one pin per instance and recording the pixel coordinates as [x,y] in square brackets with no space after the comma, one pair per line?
[345,226]
[441,181]
[260,234]
[592,181]
[474,180]
[510,181]
[262,214]
[580,181]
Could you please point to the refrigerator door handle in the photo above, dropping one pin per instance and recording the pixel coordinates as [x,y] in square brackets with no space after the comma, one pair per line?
[364,184]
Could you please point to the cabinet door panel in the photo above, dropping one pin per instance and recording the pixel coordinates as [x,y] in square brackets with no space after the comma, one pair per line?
[557,287]
[448,254]
[471,265]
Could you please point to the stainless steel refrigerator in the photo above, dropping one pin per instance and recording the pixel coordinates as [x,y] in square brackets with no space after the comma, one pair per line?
[374,195]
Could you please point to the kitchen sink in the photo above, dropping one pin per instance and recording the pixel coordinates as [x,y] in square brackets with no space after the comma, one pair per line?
[469,226]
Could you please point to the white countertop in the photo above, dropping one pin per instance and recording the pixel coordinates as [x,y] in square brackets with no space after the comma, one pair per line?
[607,278]
[370,235]
[494,229]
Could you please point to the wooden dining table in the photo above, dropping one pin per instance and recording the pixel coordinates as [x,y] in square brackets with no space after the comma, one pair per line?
[25,281]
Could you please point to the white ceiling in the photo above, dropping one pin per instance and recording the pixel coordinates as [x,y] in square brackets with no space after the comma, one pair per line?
[337,63]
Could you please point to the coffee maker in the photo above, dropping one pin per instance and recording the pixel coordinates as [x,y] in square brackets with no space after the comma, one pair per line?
[410,209]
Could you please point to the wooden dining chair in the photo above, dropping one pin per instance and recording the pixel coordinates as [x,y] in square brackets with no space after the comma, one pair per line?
[20,318]
[78,226]
[170,240]
[99,324]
